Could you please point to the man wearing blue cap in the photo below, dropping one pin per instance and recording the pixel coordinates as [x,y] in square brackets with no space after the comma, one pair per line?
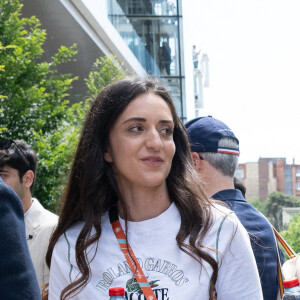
[215,151]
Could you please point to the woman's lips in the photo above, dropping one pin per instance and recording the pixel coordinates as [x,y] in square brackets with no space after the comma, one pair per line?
[152,160]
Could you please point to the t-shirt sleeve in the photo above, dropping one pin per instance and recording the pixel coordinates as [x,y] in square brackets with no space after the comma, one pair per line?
[60,269]
[238,276]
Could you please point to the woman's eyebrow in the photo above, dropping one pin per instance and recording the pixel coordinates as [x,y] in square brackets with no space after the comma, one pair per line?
[139,119]
[166,121]
[135,119]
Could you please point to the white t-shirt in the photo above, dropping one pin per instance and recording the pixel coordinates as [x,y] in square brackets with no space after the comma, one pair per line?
[173,274]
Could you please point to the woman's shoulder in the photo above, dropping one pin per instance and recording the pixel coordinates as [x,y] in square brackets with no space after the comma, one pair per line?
[225,221]
[70,236]
[221,213]
[228,227]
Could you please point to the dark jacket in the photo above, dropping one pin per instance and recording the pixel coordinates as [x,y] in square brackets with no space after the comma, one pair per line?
[17,276]
[261,236]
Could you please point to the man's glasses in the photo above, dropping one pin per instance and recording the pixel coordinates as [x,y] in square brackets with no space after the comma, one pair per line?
[6,144]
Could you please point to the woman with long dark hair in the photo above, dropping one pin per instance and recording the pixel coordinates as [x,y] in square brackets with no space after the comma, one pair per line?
[134,214]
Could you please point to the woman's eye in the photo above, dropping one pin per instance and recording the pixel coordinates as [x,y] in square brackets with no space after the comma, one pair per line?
[135,128]
[167,131]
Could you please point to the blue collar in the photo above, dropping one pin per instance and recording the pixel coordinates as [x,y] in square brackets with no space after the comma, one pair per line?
[230,194]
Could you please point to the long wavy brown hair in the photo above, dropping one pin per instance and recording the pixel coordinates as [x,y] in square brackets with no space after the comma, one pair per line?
[92,189]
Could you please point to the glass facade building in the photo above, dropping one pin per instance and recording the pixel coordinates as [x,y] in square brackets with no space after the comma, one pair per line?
[152,29]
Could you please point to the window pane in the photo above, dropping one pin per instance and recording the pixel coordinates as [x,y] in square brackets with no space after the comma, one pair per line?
[173,87]
[149,7]
[154,41]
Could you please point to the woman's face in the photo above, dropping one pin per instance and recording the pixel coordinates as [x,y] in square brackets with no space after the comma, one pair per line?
[141,143]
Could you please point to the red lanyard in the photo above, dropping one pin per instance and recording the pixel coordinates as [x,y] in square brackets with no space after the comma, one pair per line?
[129,255]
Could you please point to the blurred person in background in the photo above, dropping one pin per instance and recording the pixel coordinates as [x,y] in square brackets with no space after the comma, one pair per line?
[215,151]
[18,163]
[17,276]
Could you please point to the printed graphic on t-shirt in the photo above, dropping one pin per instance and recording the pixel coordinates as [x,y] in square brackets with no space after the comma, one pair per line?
[154,270]
[133,286]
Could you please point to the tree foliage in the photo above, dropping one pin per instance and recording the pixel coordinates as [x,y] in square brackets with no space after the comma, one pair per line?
[35,93]
[34,101]
[105,70]
[56,150]
[276,201]
[292,234]
[2,69]
[34,105]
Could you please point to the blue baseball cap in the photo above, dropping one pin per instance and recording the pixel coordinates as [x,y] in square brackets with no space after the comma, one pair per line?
[205,134]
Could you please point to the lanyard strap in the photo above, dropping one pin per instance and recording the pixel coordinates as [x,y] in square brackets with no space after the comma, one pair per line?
[291,253]
[284,244]
[129,255]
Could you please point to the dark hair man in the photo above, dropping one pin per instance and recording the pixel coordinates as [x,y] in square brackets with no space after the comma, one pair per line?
[18,168]
[215,151]
[16,271]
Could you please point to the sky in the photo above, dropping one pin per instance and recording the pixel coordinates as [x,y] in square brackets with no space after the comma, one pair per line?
[253,48]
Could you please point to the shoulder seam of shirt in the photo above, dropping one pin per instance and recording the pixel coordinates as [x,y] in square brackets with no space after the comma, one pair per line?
[218,234]
[69,256]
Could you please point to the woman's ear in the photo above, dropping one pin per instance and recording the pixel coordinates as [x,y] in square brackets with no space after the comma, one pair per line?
[108,156]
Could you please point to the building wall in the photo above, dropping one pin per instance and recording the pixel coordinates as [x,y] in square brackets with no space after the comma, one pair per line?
[269,175]
[279,173]
[263,178]
[272,184]
[296,180]
[84,22]
[134,31]
[288,180]
[63,29]
[153,31]
[251,181]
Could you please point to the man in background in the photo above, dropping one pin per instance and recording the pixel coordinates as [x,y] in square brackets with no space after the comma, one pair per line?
[215,151]
[166,57]
[18,168]
[17,277]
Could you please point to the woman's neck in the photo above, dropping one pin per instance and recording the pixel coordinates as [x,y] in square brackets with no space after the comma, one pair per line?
[145,203]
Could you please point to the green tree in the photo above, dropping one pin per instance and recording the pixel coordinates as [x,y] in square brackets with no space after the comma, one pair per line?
[55,153]
[2,128]
[35,105]
[105,70]
[2,68]
[34,100]
[276,201]
[292,234]
[36,93]
[56,150]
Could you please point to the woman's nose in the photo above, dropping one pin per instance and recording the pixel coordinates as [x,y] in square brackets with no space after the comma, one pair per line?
[154,140]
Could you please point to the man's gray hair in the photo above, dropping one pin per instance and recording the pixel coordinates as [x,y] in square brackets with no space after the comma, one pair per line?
[225,163]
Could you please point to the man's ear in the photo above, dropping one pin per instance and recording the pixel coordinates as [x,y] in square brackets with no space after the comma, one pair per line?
[28,179]
[197,161]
